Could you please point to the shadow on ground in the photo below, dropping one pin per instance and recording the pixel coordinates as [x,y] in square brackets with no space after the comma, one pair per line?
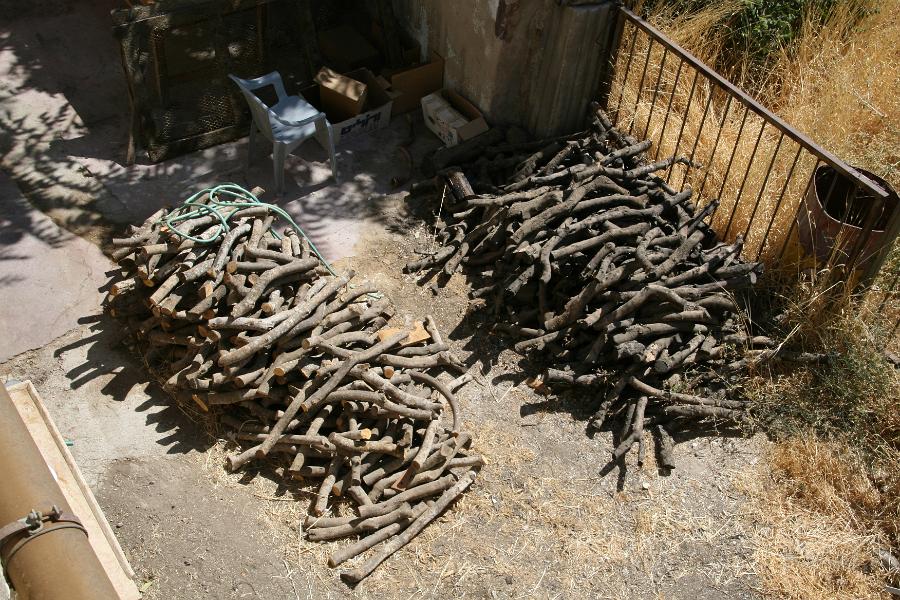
[64,128]
[103,358]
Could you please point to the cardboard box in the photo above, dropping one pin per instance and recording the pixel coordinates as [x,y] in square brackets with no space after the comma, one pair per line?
[345,49]
[408,86]
[342,96]
[376,113]
[451,117]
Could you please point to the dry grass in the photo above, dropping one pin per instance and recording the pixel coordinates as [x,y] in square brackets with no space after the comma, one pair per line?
[841,88]
[841,91]
[808,543]
[807,538]
[851,399]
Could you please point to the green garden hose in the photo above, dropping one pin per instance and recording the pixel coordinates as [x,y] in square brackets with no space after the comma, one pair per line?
[224,209]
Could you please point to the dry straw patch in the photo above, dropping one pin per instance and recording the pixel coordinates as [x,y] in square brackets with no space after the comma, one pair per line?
[807,538]
[527,528]
[842,88]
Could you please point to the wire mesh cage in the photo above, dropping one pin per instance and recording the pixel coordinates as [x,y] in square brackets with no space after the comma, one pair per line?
[177,55]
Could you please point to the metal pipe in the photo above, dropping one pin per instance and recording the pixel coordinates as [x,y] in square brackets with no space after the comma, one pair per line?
[800,205]
[762,188]
[687,111]
[59,563]
[737,141]
[740,192]
[712,154]
[662,66]
[687,169]
[627,69]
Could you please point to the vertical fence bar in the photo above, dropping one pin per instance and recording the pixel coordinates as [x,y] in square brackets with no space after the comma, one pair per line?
[737,141]
[868,224]
[611,49]
[715,145]
[662,66]
[640,89]
[662,132]
[687,169]
[627,70]
[787,182]
[843,221]
[890,235]
[762,187]
[687,110]
[809,184]
[737,198]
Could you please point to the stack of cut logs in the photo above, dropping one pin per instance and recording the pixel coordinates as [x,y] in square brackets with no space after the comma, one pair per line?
[299,363]
[611,276]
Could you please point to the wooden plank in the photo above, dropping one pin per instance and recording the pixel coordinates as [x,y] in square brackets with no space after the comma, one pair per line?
[75,489]
[418,334]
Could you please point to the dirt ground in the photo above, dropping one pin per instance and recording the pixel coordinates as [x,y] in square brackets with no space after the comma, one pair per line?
[543,520]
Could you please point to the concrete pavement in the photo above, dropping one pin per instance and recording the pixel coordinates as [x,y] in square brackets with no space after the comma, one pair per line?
[49,278]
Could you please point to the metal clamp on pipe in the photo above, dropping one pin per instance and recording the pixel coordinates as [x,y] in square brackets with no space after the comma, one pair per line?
[62,565]
[35,524]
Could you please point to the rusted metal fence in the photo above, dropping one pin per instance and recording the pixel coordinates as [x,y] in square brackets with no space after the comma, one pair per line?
[792,202]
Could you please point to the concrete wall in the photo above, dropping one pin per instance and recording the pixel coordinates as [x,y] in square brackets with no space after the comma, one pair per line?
[527,62]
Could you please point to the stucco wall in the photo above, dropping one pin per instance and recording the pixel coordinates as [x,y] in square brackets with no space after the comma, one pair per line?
[527,62]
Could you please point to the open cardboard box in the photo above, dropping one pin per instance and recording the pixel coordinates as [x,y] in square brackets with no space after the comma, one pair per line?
[451,117]
[376,113]
[408,86]
[341,96]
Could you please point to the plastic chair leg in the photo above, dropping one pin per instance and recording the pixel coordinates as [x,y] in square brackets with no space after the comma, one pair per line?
[250,143]
[334,169]
[279,153]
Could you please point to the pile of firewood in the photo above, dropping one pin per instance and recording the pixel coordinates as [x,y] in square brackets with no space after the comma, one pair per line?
[299,363]
[593,262]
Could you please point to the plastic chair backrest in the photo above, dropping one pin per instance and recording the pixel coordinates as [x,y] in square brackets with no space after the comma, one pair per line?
[262,114]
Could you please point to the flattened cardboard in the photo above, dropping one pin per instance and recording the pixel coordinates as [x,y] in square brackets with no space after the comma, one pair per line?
[341,95]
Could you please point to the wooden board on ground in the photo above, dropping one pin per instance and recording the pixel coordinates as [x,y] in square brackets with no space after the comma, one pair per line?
[418,334]
[79,496]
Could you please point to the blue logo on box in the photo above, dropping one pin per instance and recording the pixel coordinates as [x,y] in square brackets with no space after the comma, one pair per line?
[362,122]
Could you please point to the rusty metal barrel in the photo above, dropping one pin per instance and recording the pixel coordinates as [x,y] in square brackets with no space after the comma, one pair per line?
[842,223]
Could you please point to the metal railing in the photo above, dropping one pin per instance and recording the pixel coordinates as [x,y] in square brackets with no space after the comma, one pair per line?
[771,184]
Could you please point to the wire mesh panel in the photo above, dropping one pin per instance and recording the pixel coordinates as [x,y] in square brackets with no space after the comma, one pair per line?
[790,200]
[177,55]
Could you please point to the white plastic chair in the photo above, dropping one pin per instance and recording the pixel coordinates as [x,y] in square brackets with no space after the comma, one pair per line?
[287,124]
